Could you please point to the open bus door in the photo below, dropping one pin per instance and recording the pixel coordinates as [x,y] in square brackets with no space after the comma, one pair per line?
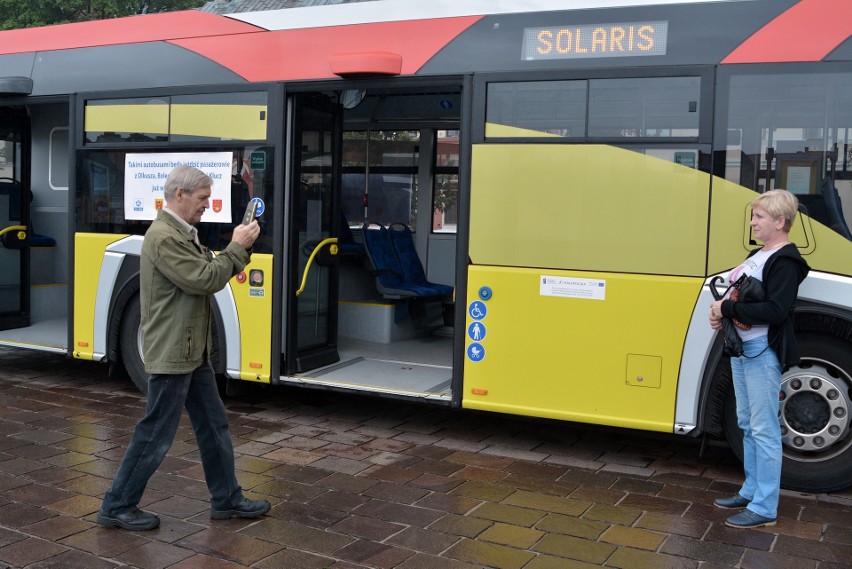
[14,218]
[311,289]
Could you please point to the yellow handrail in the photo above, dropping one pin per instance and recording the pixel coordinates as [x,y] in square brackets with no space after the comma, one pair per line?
[6,230]
[316,250]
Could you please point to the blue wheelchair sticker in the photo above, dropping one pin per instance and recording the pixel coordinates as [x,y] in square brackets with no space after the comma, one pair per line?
[475,352]
[260,206]
[477,310]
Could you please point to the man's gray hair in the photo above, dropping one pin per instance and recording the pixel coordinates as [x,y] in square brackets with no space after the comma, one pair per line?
[188,178]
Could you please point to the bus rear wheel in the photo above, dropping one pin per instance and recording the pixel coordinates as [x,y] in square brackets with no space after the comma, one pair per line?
[130,337]
[816,429]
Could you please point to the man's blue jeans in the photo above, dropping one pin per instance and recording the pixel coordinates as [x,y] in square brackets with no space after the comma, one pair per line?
[757,385]
[155,432]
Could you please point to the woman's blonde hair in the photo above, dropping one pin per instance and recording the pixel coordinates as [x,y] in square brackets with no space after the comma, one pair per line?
[778,203]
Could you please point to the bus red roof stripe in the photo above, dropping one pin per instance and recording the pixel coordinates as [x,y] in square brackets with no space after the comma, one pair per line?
[133,29]
[825,23]
[304,53]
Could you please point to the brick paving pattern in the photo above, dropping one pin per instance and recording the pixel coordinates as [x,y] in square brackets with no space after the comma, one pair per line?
[361,482]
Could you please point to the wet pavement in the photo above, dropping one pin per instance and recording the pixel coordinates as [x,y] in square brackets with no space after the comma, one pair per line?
[361,482]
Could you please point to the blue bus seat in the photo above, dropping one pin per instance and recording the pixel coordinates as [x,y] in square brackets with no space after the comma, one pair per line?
[390,278]
[412,269]
[38,240]
[346,241]
[12,188]
[836,220]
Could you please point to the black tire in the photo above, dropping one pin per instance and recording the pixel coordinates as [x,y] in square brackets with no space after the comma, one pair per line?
[130,338]
[815,417]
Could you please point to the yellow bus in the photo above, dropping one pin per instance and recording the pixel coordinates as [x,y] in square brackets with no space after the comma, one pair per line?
[513,207]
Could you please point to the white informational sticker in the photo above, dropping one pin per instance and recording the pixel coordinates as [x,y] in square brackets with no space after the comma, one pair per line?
[145,176]
[570,287]
[798,179]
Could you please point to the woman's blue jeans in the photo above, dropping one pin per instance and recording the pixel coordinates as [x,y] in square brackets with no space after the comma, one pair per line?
[155,432]
[757,385]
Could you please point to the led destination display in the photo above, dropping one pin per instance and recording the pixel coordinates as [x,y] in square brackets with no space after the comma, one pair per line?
[595,40]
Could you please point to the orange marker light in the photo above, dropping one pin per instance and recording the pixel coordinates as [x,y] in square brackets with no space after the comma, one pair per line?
[256,365]
[83,344]
[478,391]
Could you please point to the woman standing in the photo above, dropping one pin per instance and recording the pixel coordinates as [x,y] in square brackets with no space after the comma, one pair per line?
[769,347]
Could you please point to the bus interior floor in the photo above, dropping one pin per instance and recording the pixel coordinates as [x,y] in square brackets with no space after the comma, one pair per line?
[49,334]
[421,365]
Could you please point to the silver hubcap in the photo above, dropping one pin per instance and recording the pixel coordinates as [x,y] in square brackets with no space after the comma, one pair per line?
[814,411]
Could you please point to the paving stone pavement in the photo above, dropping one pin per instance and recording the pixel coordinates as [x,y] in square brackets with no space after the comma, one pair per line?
[361,482]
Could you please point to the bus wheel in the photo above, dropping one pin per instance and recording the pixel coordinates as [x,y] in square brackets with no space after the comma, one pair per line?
[131,344]
[816,430]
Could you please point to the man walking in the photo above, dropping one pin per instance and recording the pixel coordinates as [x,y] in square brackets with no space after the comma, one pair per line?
[177,279]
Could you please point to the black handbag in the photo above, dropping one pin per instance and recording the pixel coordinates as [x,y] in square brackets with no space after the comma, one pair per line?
[750,290]
[732,344]
[745,289]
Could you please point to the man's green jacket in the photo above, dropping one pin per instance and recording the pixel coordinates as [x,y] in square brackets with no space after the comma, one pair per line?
[177,279]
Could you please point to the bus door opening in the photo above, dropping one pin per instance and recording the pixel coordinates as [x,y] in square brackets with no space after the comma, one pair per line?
[310,326]
[14,218]
[374,189]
